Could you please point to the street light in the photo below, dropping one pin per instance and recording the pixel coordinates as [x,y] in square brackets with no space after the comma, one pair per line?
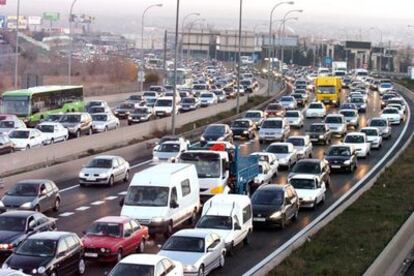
[279,30]
[269,84]
[141,79]
[177,19]
[16,64]
[70,42]
[283,33]
[182,31]
[380,61]
[191,24]
[239,61]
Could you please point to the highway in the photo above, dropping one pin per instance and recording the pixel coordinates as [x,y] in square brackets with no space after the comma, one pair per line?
[81,206]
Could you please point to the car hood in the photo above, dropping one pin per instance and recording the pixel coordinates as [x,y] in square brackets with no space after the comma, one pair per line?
[27,263]
[9,236]
[186,258]
[70,125]
[95,170]
[303,193]
[5,130]
[265,210]
[11,200]
[341,158]
[19,142]
[91,241]
[165,155]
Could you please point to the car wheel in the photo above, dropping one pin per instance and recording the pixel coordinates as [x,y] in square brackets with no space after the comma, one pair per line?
[106,129]
[323,199]
[37,208]
[289,165]
[119,255]
[310,155]
[111,181]
[315,205]
[193,219]
[56,205]
[52,141]
[81,267]
[201,271]
[82,185]
[141,246]
[27,147]
[222,260]
[126,178]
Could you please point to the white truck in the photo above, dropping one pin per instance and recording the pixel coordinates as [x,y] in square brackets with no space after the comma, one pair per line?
[339,68]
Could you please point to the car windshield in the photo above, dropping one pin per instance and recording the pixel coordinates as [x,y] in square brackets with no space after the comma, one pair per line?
[150,196]
[390,111]
[46,128]
[214,130]
[356,139]
[100,117]
[317,128]
[386,85]
[339,151]
[37,247]
[298,183]
[53,118]
[348,113]
[268,197]
[286,99]
[140,111]
[378,123]
[272,124]
[15,224]
[23,189]
[281,149]
[100,163]
[17,105]
[357,100]
[135,98]
[274,107]
[188,100]
[206,95]
[185,244]
[163,103]
[91,104]
[126,106]
[253,115]
[126,269]
[242,124]
[370,132]
[70,119]
[307,168]
[200,87]
[150,94]
[327,89]
[315,106]
[333,120]
[167,147]
[215,222]
[298,142]
[97,110]
[19,134]
[6,124]
[104,229]
[291,114]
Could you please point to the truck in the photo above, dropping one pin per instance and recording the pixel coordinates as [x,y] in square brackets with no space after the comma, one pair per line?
[328,90]
[339,68]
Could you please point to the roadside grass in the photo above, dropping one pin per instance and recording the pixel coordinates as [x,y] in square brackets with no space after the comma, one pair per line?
[352,241]
[407,83]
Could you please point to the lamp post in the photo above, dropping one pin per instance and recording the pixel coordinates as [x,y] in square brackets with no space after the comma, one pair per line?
[174,115]
[182,32]
[269,73]
[239,61]
[279,30]
[282,57]
[380,61]
[141,79]
[191,24]
[16,64]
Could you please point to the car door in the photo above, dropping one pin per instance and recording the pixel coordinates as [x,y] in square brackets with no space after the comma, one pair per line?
[63,260]
[123,168]
[116,169]
[238,231]
[51,195]
[128,242]
[43,197]
[73,252]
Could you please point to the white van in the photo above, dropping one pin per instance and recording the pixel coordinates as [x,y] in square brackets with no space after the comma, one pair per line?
[230,216]
[163,197]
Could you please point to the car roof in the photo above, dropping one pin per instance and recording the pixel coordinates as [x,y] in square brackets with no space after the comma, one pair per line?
[33,181]
[195,233]
[113,219]
[17,213]
[106,157]
[310,160]
[50,235]
[144,259]
[272,187]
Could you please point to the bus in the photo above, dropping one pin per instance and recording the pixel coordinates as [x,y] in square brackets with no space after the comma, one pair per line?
[184,78]
[35,103]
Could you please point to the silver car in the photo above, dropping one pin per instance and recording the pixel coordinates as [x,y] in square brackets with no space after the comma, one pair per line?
[288,102]
[199,250]
[105,169]
[295,118]
[382,125]
[102,122]
[351,117]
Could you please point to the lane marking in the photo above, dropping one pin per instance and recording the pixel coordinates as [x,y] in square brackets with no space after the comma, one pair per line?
[82,208]
[96,203]
[111,197]
[69,188]
[66,214]
[122,193]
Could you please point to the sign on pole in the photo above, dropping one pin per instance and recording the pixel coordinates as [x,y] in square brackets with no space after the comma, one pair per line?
[141,76]
[51,16]
[2,2]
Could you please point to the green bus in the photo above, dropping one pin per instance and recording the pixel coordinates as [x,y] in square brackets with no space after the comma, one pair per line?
[35,103]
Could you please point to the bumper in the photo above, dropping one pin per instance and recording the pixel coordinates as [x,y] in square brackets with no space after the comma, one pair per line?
[267,220]
[100,256]
[276,137]
[96,181]
[306,203]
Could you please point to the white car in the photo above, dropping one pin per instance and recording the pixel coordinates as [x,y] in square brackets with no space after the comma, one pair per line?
[399,107]
[256,116]
[208,98]
[360,142]
[294,118]
[53,132]
[302,144]
[351,117]
[8,125]
[199,250]
[285,152]
[382,125]
[147,264]
[274,129]
[265,174]
[269,158]
[385,87]
[150,95]
[373,136]
[288,102]
[392,114]
[102,122]
[315,110]
[168,151]
[164,107]
[310,190]
[399,101]
[25,139]
[336,123]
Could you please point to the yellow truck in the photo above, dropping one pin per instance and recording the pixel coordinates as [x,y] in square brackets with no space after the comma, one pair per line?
[328,90]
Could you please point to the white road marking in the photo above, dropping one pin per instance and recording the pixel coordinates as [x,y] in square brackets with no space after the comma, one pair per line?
[82,208]
[69,188]
[111,197]
[67,214]
[96,203]
[122,193]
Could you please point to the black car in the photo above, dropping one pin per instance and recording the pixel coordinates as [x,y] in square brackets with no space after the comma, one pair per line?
[16,226]
[49,253]
[35,194]
[316,167]
[275,205]
[320,133]
[216,132]
[341,157]
[244,128]
[300,99]
[124,109]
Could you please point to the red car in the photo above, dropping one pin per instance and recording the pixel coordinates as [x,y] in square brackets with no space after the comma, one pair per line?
[111,238]
[275,110]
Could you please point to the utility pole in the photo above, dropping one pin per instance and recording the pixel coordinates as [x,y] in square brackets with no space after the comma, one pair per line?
[174,115]
[239,61]
[16,65]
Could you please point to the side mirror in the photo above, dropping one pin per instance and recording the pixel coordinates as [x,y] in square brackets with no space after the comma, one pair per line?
[174,204]
[32,137]
[121,202]
[43,192]
[210,249]
[237,226]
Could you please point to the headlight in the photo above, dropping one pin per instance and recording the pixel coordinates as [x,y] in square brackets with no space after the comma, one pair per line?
[277,214]
[107,250]
[190,268]
[347,162]
[41,270]
[217,190]
[202,138]
[81,174]
[1,204]
[245,132]
[5,266]
[6,246]
[320,136]
[26,205]
[103,175]
[157,220]
[129,118]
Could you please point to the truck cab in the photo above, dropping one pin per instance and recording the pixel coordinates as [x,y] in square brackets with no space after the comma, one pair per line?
[328,90]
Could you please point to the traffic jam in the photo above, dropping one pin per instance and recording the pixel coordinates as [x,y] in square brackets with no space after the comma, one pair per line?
[198,203]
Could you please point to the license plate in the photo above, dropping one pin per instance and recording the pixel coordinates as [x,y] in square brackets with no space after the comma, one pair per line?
[314,139]
[91,178]
[336,166]
[259,219]
[91,255]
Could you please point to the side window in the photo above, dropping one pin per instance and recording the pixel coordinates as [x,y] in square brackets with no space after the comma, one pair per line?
[71,242]
[168,265]
[121,161]
[49,187]
[135,225]
[185,187]
[247,213]
[208,241]
[215,240]
[40,219]
[115,163]
[127,229]
[62,246]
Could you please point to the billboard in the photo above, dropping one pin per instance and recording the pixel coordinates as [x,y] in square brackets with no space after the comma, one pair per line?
[358,45]
[12,22]
[2,21]
[35,20]
[51,16]
[291,41]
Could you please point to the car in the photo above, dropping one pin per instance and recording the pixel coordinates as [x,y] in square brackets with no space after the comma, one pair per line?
[173,138]
[315,110]
[111,238]
[189,104]
[256,116]
[300,99]
[77,123]
[386,97]
[99,109]
[53,132]
[398,101]
[150,96]
[48,253]
[315,167]
[168,151]
[285,153]
[208,98]
[320,133]
[16,226]
[360,142]
[264,176]
[399,107]
[216,132]
[148,265]
[360,103]
[269,158]
[135,98]
[33,194]
[102,122]
[199,250]
[310,190]
[274,129]
[304,93]
[164,106]
[288,102]
[8,125]
[157,88]
[243,128]
[302,144]
[351,117]
[275,110]
[123,110]
[247,85]
[140,114]
[275,205]
[385,87]
[6,145]
[170,94]
[294,118]
[373,136]
[221,95]
[382,125]
[348,106]
[230,92]
[96,103]
[239,90]
[104,169]
[392,114]
[24,139]
[336,123]
[341,157]
[52,117]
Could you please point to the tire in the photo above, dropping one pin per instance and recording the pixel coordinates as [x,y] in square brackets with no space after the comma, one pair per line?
[126,178]
[141,246]
[56,205]
[310,155]
[193,219]
[82,185]
[119,255]
[81,267]
[201,271]
[52,141]
[315,205]
[111,181]
[222,260]
[106,129]
[246,240]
